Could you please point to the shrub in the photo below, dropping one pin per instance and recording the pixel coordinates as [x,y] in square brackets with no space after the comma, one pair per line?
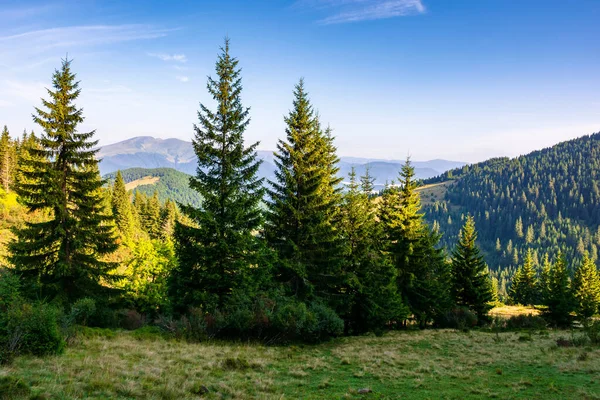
[593,332]
[459,318]
[526,322]
[9,290]
[37,326]
[325,323]
[131,320]
[82,310]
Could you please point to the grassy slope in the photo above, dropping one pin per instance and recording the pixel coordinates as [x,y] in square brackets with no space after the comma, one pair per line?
[418,365]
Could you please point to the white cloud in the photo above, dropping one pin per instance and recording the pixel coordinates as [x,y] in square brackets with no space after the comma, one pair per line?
[38,42]
[182,78]
[345,11]
[170,57]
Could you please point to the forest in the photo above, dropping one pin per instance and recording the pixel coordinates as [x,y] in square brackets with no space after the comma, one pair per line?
[300,259]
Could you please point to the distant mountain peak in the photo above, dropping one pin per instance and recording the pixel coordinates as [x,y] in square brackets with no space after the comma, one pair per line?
[151,152]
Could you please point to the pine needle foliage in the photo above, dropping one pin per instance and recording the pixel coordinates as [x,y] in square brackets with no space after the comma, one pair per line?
[471,286]
[63,255]
[218,250]
[303,204]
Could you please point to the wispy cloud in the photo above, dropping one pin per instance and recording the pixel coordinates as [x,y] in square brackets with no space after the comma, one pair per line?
[181,78]
[76,36]
[345,11]
[25,12]
[26,90]
[170,57]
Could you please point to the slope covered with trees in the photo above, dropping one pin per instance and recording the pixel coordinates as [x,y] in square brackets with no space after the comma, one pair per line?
[546,201]
[171,184]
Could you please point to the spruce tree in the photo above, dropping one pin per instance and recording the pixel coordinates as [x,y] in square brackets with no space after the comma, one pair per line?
[371,298]
[470,281]
[524,288]
[301,219]
[121,208]
[421,269]
[63,255]
[559,297]
[8,160]
[586,289]
[218,251]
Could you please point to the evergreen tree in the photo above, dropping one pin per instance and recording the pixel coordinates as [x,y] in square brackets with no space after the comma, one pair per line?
[371,299]
[559,297]
[8,160]
[64,254]
[121,208]
[301,220]
[168,217]
[151,218]
[586,289]
[421,268]
[219,250]
[470,282]
[524,288]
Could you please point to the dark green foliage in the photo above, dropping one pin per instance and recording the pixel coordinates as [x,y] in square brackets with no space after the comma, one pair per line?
[551,195]
[423,275]
[529,321]
[458,318]
[62,256]
[586,289]
[471,284]
[524,288]
[558,294]
[82,311]
[218,252]
[371,300]
[303,206]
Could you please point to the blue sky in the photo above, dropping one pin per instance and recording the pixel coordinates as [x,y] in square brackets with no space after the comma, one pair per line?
[462,80]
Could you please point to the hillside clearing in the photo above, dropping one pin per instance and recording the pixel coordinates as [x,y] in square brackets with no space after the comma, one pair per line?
[426,364]
[147,180]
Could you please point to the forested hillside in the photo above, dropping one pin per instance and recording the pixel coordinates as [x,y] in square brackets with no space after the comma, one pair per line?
[546,200]
[171,184]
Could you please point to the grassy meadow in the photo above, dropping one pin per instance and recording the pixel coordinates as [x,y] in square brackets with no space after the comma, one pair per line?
[429,364]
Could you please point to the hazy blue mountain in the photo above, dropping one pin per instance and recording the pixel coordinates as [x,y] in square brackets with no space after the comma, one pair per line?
[149,152]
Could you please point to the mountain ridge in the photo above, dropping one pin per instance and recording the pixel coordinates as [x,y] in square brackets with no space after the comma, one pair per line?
[149,152]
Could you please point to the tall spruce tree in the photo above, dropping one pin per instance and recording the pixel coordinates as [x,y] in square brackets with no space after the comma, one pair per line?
[219,250]
[559,297]
[301,220]
[121,208]
[525,287]
[421,269]
[371,298]
[471,285]
[586,289]
[63,255]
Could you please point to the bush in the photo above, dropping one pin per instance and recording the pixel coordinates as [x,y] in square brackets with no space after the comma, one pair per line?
[593,332]
[131,320]
[325,323]
[9,290]
[82,311]
[37,328]
[526,322]
[459,318]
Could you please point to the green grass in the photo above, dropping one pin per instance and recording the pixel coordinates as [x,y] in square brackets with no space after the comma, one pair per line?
[400,365]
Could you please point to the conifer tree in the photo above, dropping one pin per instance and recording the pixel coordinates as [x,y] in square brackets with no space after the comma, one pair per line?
[470,281]
[8,160]
[301,221]
[586,289]
[168,217]
[422,272]
[218,252]
[63,255]
[559,297]
[524,288]
[121,208]
[371,294]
